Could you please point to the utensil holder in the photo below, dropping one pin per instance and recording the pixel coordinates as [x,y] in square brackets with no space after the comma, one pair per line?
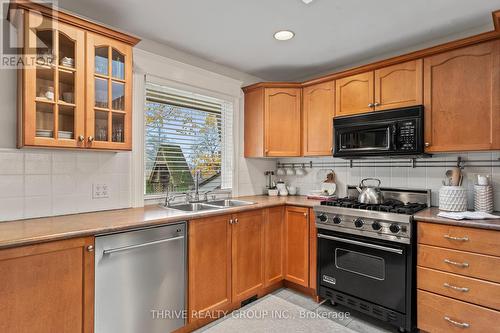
[483,198]
[453,198]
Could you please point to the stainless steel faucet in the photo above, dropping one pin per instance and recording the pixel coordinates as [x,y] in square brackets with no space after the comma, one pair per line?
[196,196]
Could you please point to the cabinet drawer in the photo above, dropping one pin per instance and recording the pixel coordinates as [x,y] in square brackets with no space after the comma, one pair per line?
[438,314]
[460,287]
[460,238]
[459,262]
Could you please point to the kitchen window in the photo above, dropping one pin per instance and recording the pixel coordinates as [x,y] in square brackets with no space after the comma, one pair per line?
[186,132]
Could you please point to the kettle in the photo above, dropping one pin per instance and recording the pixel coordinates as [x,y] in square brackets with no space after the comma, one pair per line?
[371,195]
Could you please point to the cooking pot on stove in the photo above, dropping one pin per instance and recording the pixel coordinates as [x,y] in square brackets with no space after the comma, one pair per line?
[369,194]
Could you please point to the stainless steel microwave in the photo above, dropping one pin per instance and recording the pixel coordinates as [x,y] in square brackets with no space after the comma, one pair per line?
[398,132]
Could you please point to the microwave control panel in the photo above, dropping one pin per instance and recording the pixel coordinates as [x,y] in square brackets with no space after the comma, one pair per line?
[406,136]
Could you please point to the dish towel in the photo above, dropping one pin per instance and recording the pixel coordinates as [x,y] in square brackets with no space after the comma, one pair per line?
[468,215]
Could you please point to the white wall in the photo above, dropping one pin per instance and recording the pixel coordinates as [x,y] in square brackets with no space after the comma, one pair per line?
[418,178]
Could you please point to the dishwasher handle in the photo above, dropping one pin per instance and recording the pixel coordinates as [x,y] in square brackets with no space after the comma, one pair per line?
[130,247]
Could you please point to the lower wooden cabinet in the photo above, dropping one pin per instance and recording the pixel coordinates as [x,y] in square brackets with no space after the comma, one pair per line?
[209,257]
[247,241]
[48,287]
[458,285]
[274,245]
[297,245]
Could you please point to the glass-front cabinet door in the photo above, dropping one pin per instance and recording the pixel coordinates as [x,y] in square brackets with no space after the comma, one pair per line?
[109,93]
[53,82]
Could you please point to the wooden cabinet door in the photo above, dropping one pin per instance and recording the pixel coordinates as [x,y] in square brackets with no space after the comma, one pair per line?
[317,114]
[109,94]
[273,246]
[247,254]
[354,94]
[282,121]
[462,99]
[313,251]
[399,85]
[209,286]
[52,88]
[48,287]
[297,245]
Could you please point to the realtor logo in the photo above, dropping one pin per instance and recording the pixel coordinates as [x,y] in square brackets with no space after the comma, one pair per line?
[27,38]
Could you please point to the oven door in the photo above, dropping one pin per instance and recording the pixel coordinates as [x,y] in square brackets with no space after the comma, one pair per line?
[364,140]
[368,269]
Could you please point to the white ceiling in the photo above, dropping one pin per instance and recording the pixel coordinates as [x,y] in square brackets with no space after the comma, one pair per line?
[329,33]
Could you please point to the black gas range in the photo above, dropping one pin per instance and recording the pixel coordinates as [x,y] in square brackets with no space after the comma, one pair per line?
[366,254]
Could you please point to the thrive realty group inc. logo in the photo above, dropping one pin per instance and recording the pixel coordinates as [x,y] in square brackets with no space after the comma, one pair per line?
[28,37]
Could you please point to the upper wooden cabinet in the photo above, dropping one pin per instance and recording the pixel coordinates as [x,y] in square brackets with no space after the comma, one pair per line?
[462,99]
[78,91]
[398,86]
[273,122]
[109,93]
[318,105]
[48,287]
[354,94]
[386,88]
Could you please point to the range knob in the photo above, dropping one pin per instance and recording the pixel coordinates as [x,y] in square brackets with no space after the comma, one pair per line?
[394,228]
[337,220]
[322,217]
[358,223]
[376,226]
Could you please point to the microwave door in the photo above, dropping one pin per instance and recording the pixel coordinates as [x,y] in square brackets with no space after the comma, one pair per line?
[364,139]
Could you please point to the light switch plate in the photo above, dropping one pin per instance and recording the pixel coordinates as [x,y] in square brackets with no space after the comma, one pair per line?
[100,191]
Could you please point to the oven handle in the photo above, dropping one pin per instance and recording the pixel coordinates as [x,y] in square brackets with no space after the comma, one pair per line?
[373,246]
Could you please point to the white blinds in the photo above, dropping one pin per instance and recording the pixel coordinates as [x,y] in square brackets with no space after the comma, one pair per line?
[185,132]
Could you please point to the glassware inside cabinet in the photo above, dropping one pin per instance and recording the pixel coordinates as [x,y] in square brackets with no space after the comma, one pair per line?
[118,124]
[45,83]
[66,122]
[101,125]
[66,86]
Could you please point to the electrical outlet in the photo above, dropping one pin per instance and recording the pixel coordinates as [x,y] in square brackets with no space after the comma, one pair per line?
[100,191]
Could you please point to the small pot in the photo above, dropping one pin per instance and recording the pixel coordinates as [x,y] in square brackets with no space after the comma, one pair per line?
[371,195]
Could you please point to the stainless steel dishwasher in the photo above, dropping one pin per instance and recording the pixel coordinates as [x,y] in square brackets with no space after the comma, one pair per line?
[140,280]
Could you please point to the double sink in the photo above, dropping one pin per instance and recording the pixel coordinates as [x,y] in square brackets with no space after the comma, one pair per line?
[211,205]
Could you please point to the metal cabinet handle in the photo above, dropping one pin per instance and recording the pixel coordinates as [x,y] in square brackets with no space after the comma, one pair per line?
[456,323]
[124,248]
[462,239]
[369,245]
[230,221]
[376,104]
[370,105]
[459,264]
[90,248]
[91,138]
[462,289]
[236,221]
[81,138]
[427,144]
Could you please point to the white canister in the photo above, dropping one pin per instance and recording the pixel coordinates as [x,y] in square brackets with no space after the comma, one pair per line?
[453,198]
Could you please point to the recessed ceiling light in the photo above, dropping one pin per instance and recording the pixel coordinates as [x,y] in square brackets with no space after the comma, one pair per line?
[307,1]
[284,35]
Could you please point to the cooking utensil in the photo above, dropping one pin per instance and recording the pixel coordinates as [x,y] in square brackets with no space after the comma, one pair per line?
[370,194]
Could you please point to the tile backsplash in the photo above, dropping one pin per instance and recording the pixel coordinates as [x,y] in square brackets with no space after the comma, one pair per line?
[418,178]
[36,183]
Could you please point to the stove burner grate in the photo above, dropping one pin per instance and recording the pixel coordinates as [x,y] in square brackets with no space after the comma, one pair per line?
[391,205]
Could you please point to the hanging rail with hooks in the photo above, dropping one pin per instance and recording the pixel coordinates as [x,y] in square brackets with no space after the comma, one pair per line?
[409,163]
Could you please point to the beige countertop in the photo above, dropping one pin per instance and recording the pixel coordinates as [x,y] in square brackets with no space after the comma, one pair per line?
[430,215]
[23,232]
